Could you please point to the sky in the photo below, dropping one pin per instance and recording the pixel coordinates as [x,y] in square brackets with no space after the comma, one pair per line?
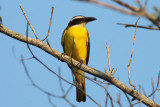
[16,89]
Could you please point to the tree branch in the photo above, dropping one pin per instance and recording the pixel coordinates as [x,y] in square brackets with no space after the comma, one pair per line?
[131,10]
[40,44]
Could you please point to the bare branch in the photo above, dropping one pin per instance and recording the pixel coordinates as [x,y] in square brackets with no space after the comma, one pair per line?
[134,11]
[60,81]
[126,5]
[49,25]
[110,6]
[138,26]
[65,58]
[128,99]
[109,63]
[28,21]
[152,92]
[50,101]
[132,56]
[139,3]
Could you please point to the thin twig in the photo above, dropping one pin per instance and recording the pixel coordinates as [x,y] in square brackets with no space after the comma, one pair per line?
[128,99]
[156,86]
[144,92]
[106,102]
[49,25]
[152,92]
[145,27]
[60,81]
[140,92]
[145,5]
[109,63]
[139,3]
[132,56]
[134,11]
[114,71]
[126,5]
[1,21]
[50,101]
[110,6]
[70,103]
[28,21]
[68,90]
[118,99]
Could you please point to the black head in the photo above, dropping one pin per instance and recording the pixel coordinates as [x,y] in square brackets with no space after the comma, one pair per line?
[77,20]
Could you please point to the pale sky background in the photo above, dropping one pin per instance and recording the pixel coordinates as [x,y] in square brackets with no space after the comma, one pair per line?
[16,89]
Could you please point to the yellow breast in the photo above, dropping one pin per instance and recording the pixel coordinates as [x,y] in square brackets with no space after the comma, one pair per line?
[79,35]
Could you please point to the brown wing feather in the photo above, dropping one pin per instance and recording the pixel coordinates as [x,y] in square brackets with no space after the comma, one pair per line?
[88,49]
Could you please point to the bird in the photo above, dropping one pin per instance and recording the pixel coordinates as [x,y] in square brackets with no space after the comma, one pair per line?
[76,42]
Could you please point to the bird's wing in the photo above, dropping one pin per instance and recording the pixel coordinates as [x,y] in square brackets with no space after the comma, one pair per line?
[62,40]
[88,48]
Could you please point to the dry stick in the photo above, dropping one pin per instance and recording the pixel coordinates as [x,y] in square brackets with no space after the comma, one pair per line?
[34,84]
[49,25]
[111,100]
[65,58]
[110,6]
[132,56]
[50,101]
[156,87]
[118,99]
[60,82]
[70,103]
[144,92]
[145,27]
[139,4]
[126,5]
[28,21]
[108,96]
[42,90]
[136,12]
[128,99]
[68,90]
[140,92]
[101,82]
[151,93]
[109,64]
[153,90]
[106,102]
[145,5]
[114,71]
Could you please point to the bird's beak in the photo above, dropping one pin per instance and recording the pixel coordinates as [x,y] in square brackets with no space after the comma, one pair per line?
[88,19]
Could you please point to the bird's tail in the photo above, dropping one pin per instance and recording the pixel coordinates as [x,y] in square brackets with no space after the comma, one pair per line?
[81,96]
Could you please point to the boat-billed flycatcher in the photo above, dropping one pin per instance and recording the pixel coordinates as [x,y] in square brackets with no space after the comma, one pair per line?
[76,36]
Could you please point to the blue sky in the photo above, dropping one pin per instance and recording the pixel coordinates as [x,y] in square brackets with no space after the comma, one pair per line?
[16,89]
